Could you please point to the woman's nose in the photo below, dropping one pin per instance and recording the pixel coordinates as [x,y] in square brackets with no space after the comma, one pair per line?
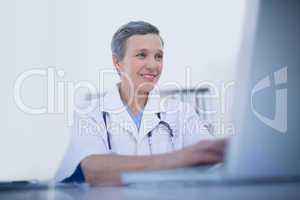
[152,63]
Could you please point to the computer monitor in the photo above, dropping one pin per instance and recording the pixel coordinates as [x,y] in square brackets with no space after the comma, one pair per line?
[267,96]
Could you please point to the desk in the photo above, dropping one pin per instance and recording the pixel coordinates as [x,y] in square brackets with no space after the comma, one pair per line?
[194,191]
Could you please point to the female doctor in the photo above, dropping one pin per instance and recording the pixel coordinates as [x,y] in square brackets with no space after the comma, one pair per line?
[132,129]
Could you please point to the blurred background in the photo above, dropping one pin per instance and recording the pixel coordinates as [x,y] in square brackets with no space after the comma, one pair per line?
[75,35]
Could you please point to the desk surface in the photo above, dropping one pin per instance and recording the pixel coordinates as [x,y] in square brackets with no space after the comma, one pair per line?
[188,191]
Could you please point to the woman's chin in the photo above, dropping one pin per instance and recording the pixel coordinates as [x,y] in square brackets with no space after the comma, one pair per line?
[145,89]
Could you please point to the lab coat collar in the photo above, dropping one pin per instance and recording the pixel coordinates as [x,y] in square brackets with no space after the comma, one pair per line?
[113,104]
[111,101]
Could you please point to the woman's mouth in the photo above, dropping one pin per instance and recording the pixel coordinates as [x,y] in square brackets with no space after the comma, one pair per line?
[149,77]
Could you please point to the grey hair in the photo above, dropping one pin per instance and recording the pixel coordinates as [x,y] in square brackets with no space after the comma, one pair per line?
[118,43]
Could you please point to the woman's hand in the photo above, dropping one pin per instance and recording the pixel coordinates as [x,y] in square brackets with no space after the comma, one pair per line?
[204,152]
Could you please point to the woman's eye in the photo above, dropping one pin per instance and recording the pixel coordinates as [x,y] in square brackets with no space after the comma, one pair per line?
[159,57]
[141,55]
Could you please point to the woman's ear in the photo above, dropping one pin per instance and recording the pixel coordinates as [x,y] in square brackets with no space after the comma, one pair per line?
[116,64]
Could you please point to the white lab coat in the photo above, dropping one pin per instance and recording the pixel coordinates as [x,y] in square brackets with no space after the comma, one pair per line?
[89,137]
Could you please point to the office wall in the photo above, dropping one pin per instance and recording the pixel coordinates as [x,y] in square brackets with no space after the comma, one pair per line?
[74,35]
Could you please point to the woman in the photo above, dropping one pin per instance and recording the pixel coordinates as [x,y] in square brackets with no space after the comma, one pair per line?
[132,128]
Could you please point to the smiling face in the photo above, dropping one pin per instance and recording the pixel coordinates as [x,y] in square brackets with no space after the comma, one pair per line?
[142,63]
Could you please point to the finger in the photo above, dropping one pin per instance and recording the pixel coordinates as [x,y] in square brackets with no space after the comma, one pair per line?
[215,146]
[210,158]
[220,143]
[209,148]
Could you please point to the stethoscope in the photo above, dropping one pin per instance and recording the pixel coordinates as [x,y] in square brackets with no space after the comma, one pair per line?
[161,122]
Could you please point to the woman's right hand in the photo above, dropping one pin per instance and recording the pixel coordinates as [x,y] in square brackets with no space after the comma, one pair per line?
[204,152]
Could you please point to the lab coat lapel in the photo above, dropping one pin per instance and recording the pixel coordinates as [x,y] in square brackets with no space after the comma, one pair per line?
[150,119]
[118,115]
[149,122]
